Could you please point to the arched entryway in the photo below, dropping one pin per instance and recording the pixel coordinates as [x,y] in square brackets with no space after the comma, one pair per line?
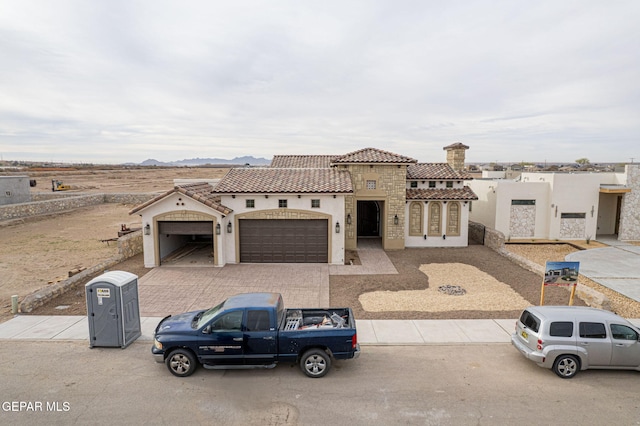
[369,218]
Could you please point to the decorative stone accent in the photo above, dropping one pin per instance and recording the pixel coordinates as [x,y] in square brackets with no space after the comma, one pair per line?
[572,229]
[452,290]
[522,221]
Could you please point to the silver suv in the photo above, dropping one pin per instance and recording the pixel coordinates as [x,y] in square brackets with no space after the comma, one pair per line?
[568,339]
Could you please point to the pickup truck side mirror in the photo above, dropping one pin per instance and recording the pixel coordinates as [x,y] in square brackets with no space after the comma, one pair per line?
[207,329]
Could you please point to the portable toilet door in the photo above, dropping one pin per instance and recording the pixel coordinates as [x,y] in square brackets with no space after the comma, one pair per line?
[112,309]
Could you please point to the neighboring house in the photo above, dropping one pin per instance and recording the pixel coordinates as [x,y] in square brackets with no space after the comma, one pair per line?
[561,206]
[311,208]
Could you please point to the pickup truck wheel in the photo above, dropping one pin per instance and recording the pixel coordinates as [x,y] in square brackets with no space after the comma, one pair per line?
[315,363]
[181,363]
[566,366]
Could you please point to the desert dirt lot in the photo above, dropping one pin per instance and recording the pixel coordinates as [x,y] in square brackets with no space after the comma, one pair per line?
[38,251]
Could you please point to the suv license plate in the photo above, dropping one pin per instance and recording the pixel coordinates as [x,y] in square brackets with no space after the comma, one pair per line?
[524,334]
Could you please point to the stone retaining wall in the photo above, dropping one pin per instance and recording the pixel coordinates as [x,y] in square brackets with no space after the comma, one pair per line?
[128,246]
[495,240]
[56,204]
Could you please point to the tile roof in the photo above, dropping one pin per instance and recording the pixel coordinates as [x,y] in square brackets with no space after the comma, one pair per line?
[464,193]
[302,161]
[200,191]
[373,155]
[435,171]
[272,180]
[456,145]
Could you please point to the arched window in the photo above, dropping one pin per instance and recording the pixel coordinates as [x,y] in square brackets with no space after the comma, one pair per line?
[453,218]
[415,219]
[435,218]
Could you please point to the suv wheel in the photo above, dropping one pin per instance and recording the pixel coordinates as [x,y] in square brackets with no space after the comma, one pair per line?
[566,366]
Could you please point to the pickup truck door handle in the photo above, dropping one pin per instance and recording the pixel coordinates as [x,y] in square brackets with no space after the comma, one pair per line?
[268,337]
[237,339]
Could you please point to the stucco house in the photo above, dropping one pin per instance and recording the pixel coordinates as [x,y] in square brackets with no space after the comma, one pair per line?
[561,205]
[312,208]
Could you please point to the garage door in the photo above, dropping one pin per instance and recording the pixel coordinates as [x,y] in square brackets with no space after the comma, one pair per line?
[185,228]
[284,241]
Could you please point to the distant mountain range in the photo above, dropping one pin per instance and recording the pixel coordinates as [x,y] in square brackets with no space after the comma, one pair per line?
[203,161]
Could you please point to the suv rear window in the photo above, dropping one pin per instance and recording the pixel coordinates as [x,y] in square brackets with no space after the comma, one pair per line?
[593,330]
[561,329]
[530,321]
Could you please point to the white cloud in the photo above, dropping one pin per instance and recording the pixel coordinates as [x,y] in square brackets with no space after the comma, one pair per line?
[117,81]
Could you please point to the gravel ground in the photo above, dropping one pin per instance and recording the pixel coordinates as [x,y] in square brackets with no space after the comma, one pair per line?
[540,254]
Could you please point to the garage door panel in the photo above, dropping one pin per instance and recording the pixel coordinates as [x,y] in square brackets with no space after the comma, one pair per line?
[284,241]
[186,228]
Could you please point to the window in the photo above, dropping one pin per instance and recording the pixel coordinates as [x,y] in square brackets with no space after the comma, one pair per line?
[435,209]
[415,219]
[282,203]
[453,218]
[449,184]
[413,184]
[523,202]
[592,330]
[371,184]
[561,329]
[258,320]
[315,204]
[432,184]
[530,321]
[250,204]
[228,322]
[622,332]
[573,215]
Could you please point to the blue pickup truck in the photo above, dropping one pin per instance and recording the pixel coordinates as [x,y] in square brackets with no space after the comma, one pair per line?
[254,330]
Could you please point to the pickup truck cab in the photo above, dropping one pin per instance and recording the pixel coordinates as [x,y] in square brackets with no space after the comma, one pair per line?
[254,330]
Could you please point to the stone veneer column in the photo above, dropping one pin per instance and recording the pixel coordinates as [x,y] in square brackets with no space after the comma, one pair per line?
[630,211]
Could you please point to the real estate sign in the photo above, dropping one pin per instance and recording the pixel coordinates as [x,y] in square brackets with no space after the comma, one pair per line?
[560,274]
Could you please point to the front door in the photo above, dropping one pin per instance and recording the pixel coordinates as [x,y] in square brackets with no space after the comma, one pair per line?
[221,341]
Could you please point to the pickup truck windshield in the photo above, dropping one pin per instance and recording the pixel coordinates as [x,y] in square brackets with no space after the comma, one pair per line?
[207,315]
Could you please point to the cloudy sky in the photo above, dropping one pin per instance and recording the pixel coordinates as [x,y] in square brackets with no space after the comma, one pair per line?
[112,81]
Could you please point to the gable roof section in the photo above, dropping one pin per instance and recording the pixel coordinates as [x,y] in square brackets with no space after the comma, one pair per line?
[273,180]
[465,194]
[372,156]
[433,171]
[302,161]
[202,192]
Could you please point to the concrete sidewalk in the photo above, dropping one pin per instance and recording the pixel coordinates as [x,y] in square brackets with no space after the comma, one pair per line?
[370,332]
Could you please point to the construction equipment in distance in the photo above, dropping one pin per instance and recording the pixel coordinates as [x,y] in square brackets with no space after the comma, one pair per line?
[56,185]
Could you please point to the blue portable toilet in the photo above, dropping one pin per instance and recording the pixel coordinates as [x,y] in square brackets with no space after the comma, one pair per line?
[113,309]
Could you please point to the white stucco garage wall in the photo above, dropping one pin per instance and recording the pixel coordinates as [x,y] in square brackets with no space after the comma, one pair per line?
[176,205]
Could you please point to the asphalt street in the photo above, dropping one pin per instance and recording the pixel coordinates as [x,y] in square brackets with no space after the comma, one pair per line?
[56,382]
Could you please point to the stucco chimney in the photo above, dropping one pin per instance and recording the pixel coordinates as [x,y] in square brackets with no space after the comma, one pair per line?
[455,155]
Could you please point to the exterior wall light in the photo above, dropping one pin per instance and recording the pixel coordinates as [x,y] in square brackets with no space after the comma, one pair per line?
[147,229]
[217,229]
[349,219]
[337,227]
[229,227]
[396,220]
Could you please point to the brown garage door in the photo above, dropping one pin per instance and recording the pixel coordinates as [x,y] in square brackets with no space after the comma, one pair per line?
[284,241]
[185,228]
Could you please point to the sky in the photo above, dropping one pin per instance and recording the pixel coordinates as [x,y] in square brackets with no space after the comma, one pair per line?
[115,81]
